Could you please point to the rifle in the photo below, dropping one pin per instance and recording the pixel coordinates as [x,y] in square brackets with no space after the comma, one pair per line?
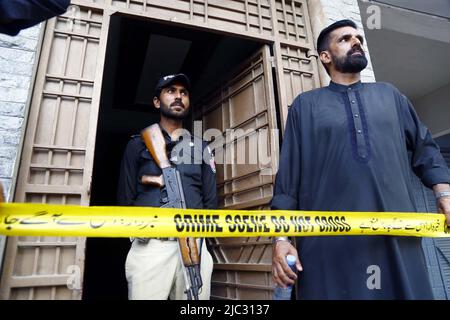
[156,145]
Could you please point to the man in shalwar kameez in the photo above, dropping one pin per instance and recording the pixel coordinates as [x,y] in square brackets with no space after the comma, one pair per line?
[346,148]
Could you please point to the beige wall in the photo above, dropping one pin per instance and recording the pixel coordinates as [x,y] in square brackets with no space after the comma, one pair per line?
[434,110]
[17,66]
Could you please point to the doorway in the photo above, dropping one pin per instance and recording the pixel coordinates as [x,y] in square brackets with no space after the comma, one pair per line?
[138,53]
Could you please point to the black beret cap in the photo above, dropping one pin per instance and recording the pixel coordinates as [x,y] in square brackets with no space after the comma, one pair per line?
[167,80]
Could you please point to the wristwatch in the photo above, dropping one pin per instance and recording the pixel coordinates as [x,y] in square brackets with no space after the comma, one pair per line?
[276,239]
[441,194]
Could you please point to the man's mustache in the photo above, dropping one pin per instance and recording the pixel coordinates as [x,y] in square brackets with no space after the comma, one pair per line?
[358,49]
[177,103]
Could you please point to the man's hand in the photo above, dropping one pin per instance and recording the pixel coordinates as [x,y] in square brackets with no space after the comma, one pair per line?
[281,273]
[443,203]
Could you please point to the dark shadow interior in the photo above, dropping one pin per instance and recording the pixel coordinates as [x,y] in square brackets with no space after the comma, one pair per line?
[138,53]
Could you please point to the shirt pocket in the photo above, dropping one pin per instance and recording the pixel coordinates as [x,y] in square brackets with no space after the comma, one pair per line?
[148,166]
[191,172]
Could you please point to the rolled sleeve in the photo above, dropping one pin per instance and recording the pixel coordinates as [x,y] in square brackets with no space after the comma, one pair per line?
[436,176]
[427,161]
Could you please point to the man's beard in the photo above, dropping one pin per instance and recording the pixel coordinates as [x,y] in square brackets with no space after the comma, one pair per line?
[349,63]
[169,113]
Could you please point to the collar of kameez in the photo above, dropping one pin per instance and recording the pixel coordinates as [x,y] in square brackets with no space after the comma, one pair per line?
[168,138]
[343,88]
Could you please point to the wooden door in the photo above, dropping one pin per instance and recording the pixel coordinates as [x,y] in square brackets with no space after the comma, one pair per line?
[243,109]
[57,159]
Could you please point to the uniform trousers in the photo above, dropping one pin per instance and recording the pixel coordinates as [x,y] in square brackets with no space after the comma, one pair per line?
[154,271]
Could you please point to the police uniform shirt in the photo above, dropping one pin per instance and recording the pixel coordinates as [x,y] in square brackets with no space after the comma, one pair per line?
[197,171]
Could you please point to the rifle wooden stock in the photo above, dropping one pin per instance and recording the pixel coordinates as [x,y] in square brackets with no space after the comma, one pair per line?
[189,251]
[156,145]
[156,181]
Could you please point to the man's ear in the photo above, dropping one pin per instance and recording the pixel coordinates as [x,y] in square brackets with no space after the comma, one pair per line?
[156,102]
[325,57]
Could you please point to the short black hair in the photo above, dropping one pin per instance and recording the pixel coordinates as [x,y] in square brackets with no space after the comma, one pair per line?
[323,40]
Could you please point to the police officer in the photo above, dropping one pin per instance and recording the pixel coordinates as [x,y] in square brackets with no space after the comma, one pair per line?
[153,267]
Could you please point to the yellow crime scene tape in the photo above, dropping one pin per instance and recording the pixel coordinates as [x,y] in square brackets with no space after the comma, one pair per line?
[29,219]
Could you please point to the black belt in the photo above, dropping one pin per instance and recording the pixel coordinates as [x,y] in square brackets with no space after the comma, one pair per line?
[146,240]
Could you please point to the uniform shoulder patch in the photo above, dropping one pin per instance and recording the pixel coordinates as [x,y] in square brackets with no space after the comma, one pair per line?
[212,163]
